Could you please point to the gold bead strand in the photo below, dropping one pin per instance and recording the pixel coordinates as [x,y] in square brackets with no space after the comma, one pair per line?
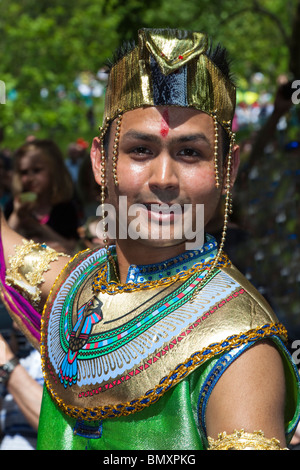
[115,177]
[231,145]
[216,148]
[110,259]
[116,147]
[103,131]
[227,210]
[228,201]
[232,142]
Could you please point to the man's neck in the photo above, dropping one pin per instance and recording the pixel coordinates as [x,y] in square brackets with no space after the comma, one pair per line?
[137,254]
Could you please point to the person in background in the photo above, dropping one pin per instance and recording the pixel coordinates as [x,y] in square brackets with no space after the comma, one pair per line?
[42,208]
[5,179]
[76,153]
[21,389]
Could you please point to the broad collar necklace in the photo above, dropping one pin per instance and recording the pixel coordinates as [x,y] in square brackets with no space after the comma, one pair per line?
[160,274]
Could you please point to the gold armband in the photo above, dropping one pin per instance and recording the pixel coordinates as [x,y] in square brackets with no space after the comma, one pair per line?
[241,440]
[27,267]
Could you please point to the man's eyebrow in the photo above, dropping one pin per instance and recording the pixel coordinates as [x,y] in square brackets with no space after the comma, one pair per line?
[132,134]
[193,138]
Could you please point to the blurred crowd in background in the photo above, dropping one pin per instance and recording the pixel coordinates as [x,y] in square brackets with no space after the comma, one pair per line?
[267,200]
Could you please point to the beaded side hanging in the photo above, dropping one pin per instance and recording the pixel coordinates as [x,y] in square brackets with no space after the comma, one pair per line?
[116,148]
[216,148]
[228,203]
[103,131]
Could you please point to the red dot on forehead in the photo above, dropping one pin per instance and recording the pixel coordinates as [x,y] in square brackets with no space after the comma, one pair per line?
[164,127]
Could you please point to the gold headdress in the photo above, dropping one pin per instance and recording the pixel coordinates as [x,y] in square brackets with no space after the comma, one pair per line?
[170,68]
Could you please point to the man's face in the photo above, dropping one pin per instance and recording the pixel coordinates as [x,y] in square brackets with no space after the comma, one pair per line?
[166,158]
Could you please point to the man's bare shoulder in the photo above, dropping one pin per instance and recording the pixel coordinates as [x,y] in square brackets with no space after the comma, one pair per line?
[250,395]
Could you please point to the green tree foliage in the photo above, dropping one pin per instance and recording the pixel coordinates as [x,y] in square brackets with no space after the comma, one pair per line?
[46,46]
[256,33]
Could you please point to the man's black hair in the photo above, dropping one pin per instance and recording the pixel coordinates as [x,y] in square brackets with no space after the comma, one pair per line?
[120,52]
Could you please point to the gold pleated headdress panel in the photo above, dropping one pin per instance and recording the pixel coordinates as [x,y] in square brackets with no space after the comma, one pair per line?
[170,67]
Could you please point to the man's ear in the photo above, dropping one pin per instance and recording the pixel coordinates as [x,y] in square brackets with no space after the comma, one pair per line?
[235,163]
[95,155]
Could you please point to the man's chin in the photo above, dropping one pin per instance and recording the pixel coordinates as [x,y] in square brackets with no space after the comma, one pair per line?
[159,243]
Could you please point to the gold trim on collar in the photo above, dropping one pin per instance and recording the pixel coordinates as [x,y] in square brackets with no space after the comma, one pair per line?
[174,377]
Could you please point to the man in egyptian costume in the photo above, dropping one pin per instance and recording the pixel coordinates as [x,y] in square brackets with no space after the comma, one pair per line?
[149,344]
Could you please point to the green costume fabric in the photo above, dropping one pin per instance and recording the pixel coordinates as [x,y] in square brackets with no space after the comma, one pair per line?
[160,426]
[170,424]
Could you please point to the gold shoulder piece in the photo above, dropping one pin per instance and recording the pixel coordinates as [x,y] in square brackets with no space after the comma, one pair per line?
[241,440]
[27,266]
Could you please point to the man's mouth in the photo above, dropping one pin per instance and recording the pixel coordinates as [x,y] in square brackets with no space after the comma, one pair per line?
[163,208]
[163,212]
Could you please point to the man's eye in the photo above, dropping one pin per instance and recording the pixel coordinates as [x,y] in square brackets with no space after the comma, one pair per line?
[141,151]
[188,152]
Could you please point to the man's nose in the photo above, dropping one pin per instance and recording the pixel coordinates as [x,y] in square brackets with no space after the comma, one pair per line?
[164,173]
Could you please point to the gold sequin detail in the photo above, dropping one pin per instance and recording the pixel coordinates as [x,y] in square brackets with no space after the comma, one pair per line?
[241,440]
[27,266]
